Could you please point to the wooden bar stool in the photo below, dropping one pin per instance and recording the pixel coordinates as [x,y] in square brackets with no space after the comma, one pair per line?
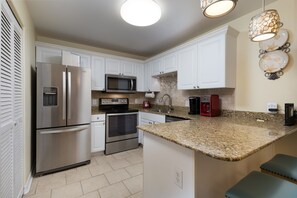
[260,185]
[283,166]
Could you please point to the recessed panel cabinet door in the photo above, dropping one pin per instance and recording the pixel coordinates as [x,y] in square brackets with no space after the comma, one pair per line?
[211,61]
[187,67]
[98,73]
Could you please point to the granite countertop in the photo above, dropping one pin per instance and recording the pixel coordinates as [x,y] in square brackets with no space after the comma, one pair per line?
[230,137]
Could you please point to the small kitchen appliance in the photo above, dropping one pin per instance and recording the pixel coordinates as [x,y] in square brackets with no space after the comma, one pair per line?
[120,83]
[289,114]
[210,105]
[194,103]
[146,104]
[121,123]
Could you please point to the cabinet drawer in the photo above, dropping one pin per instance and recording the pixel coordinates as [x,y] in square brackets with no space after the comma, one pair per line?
[98,117]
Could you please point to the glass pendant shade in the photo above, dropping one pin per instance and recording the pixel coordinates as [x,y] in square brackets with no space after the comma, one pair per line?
[217,8]
[141,12]
[264,25]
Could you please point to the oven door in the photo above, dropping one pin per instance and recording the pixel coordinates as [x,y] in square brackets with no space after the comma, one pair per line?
[121,126]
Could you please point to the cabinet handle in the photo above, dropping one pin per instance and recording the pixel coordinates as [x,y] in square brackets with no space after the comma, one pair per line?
[194,87]
[197,87]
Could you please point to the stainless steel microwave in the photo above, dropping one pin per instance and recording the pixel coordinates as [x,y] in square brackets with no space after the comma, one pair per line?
[119,83]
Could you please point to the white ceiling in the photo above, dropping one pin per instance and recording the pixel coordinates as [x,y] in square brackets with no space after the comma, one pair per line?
[98,23]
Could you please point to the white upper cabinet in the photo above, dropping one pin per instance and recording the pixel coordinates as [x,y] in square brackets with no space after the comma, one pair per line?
[217,59]
[170,63]
[48,55]
[120,67]
[113,66]
[76,59]
[210,62]
[84,60]
[164,65]
[187,67]
[139,73]
[98,73]
[150,83]
[157,67]
[127,68]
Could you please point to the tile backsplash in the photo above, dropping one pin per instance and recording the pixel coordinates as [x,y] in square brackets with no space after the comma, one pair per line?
[179,97]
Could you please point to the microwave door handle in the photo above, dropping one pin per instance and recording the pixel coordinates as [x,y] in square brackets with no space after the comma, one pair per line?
[64,95]
[132,84]
[69,96]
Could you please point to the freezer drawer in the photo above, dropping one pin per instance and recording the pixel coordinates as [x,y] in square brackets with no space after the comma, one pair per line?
[60,147]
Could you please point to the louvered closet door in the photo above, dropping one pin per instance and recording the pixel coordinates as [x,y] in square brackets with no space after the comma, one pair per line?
[18,145]
[11,106]
[6,107]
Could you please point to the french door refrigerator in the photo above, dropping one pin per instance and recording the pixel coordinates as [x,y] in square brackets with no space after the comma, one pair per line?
[63,116]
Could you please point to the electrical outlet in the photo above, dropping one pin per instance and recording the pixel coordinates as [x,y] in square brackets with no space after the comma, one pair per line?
[187,104]
[95,102]
[178,178]
[272,107]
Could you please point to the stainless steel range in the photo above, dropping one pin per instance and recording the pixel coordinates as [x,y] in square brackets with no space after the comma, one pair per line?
[121,123]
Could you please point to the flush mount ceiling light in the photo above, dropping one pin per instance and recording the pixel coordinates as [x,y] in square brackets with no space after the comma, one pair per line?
[217,8]
[141,12]
[264,25]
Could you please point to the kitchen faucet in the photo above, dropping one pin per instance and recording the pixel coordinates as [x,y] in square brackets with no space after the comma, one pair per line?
[170,107]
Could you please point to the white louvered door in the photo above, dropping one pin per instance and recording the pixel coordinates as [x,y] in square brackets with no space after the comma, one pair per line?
[11,106]
[18,136]
[6,108]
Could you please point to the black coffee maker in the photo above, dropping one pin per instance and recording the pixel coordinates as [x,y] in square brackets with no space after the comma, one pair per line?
[194,103]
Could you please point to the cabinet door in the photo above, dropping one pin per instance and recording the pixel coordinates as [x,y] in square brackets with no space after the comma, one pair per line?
[187,67]
[170,63]
[157,67]
[85,60]
[112,66]
[127,68]
[48,55]
[139,73]
[98,136]
[98,73]
[211,62]
[151,83]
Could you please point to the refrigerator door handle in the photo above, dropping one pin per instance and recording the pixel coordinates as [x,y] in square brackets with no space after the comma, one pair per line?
[64,96]
[72,129]
[69,96]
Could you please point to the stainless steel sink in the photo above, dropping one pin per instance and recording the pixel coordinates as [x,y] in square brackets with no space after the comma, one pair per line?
[162,110]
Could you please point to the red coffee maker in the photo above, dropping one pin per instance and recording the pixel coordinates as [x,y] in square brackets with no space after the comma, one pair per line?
[210,105]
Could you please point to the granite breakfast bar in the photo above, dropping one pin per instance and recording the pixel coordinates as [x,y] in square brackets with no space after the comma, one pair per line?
[203,157]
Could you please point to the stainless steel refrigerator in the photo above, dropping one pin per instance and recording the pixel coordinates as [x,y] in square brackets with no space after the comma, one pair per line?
[63,116]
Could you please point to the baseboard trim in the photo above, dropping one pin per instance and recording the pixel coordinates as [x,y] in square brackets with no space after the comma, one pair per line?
[28,184]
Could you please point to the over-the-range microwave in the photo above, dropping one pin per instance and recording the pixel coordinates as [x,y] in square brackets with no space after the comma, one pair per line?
[119,83]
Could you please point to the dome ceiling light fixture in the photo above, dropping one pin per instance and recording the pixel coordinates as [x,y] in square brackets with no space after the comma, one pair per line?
[265,25]
[217,8]
[141,12]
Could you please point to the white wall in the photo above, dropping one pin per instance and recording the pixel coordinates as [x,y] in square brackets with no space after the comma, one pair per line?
[20,9]
[253,90]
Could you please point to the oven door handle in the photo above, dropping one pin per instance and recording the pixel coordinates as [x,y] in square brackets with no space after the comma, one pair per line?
[116,114]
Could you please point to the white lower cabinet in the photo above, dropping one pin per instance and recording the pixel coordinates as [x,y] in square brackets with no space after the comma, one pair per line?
[148,118]
[98,133]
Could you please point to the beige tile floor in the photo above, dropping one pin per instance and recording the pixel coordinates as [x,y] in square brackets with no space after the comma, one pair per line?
[114,176]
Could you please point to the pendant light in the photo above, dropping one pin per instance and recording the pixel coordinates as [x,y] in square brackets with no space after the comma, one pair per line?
[217,8]
[264,25]
[141,12]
